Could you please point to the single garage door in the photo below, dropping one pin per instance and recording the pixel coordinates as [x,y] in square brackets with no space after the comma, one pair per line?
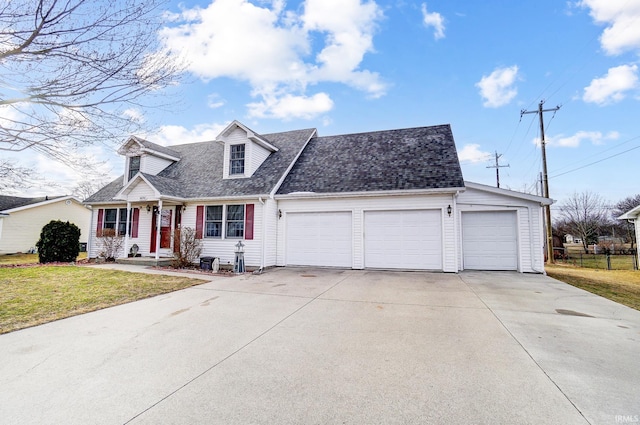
[410,239]
[489,240]
[319,239]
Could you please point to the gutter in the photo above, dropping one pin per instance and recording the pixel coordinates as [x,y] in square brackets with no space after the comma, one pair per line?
[397,192]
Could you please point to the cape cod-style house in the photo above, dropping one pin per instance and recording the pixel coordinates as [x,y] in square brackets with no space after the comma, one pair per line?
[391,199]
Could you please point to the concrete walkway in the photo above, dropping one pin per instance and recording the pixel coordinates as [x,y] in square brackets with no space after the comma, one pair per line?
[318,346]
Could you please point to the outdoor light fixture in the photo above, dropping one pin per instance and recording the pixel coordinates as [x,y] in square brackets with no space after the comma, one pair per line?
[148,207]
[449,210]
[279,213]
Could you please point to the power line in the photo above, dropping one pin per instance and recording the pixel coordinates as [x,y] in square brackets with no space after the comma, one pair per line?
[595,162]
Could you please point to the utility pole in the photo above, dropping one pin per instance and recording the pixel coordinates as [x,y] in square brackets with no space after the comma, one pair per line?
[497,167]
[545,176]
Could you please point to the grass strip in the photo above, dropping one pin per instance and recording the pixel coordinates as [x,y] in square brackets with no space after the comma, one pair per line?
[621,286]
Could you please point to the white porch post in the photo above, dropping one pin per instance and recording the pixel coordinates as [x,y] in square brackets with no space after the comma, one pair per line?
[127,230]
[158,226]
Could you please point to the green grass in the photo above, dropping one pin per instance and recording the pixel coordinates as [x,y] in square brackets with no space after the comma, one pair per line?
[621,286]
[31,296]
[28,258]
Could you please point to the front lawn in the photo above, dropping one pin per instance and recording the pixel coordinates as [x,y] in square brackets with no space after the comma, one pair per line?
[28,258]
[622,286]
[31,296]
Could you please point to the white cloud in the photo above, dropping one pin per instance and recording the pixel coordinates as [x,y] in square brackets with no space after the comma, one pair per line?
[168,135]
[290,106]
[612,87]
[472,153]
[574,141]
[214,101]
[435,20]
[498,87]
[271,48]
[134,114]
[621,17]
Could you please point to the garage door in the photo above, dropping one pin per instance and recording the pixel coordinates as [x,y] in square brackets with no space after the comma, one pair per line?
[489,240]
[409,239]
[319,239]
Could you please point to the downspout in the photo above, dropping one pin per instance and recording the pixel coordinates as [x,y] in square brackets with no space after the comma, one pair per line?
[456,231]
[264,232]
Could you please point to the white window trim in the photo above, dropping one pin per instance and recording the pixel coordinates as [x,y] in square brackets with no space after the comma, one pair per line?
[224,235]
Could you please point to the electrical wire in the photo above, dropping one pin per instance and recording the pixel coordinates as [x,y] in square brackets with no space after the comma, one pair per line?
[595,162]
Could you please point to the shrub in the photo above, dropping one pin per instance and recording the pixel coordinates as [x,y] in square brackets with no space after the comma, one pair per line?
[189,247]
[111,244]
[59,241]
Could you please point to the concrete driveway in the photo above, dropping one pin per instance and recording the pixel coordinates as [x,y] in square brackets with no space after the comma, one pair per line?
[319,346]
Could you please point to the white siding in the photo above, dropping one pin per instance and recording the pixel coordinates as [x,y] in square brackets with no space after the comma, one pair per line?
[224,249]
[141,192]
[153,165]
[271,229]
[358,206]
[258,156]
[21,229]
[530,247]
[254,154]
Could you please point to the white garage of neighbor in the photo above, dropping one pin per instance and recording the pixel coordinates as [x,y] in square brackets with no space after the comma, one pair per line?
[410,239]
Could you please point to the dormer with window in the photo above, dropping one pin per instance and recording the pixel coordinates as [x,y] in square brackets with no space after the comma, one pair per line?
[244,151]
[145,157]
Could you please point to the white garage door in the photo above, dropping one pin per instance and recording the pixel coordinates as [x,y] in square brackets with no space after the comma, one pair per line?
[409,239]
[489,240]
[319,239]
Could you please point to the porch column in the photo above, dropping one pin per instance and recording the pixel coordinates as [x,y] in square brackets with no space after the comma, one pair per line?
[158,226]
[127,230]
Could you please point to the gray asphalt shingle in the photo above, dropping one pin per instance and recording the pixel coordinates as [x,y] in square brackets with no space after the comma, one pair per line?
[405,159]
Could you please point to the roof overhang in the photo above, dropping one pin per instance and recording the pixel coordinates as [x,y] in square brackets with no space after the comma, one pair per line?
[135,140]
[131,184]
[377,193]
[251,135]
[631,214]
[511,193]
[39,204]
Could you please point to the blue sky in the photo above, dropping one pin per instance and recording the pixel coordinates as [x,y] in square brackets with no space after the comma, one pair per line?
[347,66]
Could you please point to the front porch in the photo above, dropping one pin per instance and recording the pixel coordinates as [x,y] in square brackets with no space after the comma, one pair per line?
[145,261]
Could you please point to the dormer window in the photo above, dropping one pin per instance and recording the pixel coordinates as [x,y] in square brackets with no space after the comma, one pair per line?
[236,158]
[134,166]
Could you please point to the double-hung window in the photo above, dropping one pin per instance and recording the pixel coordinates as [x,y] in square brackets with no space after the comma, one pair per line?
[134,166]
[116,219]
[213,222]
[224,221]
[236,159]
[235,221]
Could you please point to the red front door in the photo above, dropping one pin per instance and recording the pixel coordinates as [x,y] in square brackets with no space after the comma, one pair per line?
[165,229]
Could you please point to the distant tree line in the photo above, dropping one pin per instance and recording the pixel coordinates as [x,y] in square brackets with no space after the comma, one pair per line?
[587,216]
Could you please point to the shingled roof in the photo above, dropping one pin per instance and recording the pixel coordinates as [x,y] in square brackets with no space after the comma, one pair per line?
[11,202]
[198,174]
[406,159]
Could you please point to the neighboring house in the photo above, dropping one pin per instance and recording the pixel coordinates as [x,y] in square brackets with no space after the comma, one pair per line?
[22,219]
[633,216]
[389,199]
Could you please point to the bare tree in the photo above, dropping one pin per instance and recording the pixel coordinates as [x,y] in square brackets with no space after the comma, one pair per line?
[73,73]
[585,213]
[87,188]
[624,226]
